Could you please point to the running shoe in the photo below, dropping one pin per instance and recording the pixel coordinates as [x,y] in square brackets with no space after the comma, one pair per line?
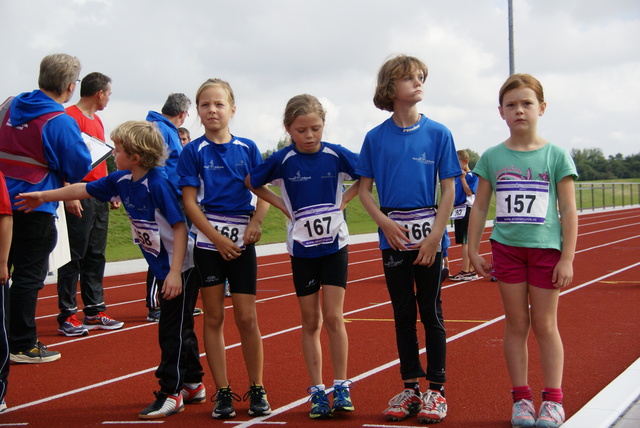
[38,354]
[471,276]
[258,404]
[71,327]
[197,395]
[153,315]
[197,311]
[101,321]
[460,276]
[523,414]
[342,397]
[3,406]
[434,407]
[403,405]
[320,408]
[551,415]
[223,409]
[163,405]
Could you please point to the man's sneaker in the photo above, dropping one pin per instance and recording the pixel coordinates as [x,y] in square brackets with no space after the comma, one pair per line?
[223,409]
[342,397]
[258,404]
[197,311]
[71,327]
[163,405]
[153,315]
[197,395]
[434,407]
[551,415]
[320,408]
[101,321]
[3,406]
[38,354]
[403,405]
[523,414]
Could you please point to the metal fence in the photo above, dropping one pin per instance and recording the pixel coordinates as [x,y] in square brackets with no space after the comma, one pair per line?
[592,196]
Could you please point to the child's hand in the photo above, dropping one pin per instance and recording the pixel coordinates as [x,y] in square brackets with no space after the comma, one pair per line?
[396,235]
[172,286]
[480,265]
[27,202]
[227,248]
[562,274]
[252,233]
[427,252]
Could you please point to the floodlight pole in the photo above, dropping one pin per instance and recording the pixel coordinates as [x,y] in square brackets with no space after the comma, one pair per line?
[511,60]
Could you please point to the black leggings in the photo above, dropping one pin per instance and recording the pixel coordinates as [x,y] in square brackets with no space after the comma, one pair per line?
[401,275]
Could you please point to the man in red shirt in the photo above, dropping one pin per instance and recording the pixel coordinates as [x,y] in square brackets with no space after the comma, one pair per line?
[87,223]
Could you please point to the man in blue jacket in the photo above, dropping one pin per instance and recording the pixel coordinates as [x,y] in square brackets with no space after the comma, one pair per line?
[40,148]
[173,114]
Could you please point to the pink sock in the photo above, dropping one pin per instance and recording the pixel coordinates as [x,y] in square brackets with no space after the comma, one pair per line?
[521,393]
[552,394]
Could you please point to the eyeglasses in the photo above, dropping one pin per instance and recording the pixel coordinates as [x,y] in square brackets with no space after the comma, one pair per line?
[78,81]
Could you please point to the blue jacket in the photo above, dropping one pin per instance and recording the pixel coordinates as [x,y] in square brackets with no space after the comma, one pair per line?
[174,146]
[65,153]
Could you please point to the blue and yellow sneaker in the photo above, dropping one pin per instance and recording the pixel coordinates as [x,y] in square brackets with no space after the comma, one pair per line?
[320,408]
[342,397]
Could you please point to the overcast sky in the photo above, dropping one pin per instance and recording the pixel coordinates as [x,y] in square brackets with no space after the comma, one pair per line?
[585,53]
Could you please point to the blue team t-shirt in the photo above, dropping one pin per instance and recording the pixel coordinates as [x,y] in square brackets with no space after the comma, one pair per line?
[406,163]
[218,171]
[153,208]
[311,187]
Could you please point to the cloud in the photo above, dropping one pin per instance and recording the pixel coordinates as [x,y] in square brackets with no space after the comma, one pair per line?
[585,55]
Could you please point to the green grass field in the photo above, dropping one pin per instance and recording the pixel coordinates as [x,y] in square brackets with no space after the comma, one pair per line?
[120,245]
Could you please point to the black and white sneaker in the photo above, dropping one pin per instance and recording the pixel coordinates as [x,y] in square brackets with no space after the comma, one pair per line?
[258,404]
[163,405]
[223,409]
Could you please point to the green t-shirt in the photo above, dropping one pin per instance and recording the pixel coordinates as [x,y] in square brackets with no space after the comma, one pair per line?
[526,198]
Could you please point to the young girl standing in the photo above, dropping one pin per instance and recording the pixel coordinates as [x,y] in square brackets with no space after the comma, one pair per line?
[533,249]
[310,174]
[227,220]
[406,155]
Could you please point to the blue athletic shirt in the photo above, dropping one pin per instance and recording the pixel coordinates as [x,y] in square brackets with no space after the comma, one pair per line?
[311,183]
[172,140]
[218,172]
[472,182]
[153,208]
[407,162]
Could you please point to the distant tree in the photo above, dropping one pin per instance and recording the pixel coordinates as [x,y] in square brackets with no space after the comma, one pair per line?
[284,142]
[473,158]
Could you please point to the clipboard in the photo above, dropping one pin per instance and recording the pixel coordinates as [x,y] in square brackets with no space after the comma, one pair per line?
[99,149]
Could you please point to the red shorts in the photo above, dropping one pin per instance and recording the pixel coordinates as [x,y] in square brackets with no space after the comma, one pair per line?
[513,265]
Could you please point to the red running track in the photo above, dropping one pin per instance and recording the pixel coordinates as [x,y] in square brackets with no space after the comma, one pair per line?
[106,378]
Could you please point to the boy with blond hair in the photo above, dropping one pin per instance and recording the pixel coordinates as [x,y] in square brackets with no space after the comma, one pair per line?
[159,228]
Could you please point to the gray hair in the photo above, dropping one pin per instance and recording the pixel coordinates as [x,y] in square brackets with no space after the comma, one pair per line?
[176,104]
[57,71]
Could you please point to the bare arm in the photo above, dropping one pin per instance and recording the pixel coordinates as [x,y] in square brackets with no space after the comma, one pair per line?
[253,233]
[6,232]
[395,234]
[268,195]
[27,202]
[563,272]
[172,285]
[350,193]
[477,220]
